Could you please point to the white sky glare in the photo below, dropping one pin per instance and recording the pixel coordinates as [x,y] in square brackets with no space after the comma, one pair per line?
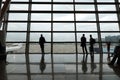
[63,17]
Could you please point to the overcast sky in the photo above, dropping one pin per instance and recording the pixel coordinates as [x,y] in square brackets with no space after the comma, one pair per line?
[62,17]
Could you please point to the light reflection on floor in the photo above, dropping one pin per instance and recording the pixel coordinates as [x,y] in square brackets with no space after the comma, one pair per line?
[64,68]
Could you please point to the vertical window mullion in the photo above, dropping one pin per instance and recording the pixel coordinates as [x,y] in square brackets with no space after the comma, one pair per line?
[52,60]
[75,30]
[118,12]
[99,40]
[27,43]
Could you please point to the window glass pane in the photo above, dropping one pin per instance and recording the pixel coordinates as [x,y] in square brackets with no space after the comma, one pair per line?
[106,7]
[63,27]
[35,48]
[18,7]
[41,16]
[41,0]
[62,0]
[63,37]
[16,37]
[113,37]
[85,17]
[17,26]
[20,0]
[64,48]
[36,36]
[63,7]
[40,7]
[109,27]
[40,26]
[84,0]
[105,0]
[63,17]
[108,17]
[84,8]
[86,27]
[18,16]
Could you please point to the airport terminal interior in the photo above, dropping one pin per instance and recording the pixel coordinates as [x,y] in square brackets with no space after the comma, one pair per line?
[62,23]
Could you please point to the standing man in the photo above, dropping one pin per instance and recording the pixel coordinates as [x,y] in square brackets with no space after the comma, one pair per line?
[83,44]
[41,42]
[92,42]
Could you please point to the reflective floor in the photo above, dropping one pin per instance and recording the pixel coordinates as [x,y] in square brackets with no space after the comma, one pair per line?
[64,67]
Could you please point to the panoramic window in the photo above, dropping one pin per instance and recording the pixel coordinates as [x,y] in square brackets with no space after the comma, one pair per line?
[62,23]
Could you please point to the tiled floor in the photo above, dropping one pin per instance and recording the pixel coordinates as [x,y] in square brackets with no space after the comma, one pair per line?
[65,67]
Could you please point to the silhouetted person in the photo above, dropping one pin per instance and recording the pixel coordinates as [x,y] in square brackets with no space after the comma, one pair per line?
[3,70]
[108,49]
[42,42]
[83,44]
[2,52]
[116,55]
[42,64]
[92,42]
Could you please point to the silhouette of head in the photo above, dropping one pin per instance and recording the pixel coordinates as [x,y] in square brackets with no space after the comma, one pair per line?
[91,36]
[41,35]
[83,35]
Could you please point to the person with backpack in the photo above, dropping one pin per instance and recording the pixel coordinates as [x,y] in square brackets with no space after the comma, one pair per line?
[91,48]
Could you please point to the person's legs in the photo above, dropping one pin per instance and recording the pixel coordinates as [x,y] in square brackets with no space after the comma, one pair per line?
[118,61]
[115,55]
[86,50]
[42,48]
[83,50]
[114,59]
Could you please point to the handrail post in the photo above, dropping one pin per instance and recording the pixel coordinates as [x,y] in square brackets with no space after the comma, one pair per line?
[3,10]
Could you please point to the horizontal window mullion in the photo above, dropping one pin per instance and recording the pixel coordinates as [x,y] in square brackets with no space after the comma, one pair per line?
[83,3]
[63,31]
[61,21]
[21,11]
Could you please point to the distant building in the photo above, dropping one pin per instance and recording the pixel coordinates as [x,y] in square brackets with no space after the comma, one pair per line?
[112,38]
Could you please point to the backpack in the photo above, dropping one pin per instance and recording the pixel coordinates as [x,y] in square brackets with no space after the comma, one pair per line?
[94,41]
